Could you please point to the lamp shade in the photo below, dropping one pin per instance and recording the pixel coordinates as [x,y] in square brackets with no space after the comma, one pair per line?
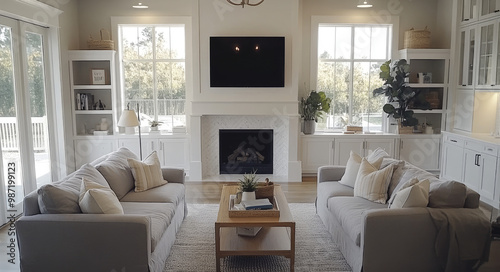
[128,119]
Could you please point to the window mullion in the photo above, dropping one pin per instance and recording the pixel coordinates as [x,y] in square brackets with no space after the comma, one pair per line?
[351,75]
[155,79]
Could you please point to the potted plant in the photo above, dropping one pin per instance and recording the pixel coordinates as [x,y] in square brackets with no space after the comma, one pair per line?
[248,185]
[154,125]
[312,108]
[399,93]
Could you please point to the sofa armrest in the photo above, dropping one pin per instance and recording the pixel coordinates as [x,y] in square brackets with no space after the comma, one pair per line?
[389,236]
[84,242]
[175,175]
[330,173]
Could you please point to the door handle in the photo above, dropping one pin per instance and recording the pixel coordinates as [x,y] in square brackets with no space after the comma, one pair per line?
[478,158]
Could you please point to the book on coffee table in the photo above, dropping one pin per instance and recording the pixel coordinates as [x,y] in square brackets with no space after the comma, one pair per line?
[257,204]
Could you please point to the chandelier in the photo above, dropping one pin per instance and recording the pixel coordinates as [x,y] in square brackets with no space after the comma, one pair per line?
[245,2]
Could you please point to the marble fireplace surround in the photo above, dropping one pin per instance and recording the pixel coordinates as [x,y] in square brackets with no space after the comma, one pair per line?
[205,142]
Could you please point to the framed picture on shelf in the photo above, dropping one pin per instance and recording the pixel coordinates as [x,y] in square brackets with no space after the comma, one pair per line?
[98,76]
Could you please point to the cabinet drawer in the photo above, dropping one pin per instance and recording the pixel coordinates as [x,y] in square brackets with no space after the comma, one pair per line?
[481,147]
[490,149]
[453,140]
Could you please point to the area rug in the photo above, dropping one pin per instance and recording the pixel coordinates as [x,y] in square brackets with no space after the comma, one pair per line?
[194,248]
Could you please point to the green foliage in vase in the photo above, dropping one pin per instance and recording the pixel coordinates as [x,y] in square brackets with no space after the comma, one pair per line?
[249,182]
[313,107]
[398,92]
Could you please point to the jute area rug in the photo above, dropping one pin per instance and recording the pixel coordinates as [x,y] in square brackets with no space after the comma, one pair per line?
[194,248]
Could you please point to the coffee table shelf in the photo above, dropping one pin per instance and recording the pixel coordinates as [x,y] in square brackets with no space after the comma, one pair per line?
[277,236]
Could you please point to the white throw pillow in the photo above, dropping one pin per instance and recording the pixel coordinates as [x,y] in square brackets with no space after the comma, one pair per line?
[372,183]
[413,196]
[377,154]
[352,168]
[147,174]
[98,199]
[400,186]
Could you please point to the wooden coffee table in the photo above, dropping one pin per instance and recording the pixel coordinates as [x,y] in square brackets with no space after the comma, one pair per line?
[277,236]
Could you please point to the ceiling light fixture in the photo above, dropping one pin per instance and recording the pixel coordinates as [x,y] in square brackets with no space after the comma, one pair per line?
[245,2]
[140,6]
[364,4]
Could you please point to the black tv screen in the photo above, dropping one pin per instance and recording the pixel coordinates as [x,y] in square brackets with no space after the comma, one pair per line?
[247,62]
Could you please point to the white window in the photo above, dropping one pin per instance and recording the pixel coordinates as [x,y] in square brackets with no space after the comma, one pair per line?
[153,72]
[348,61]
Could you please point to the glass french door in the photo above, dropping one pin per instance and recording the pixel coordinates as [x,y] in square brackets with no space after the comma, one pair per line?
[24,128]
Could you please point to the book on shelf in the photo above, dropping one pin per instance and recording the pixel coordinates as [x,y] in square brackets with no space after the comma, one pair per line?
[84,101]
[257,204]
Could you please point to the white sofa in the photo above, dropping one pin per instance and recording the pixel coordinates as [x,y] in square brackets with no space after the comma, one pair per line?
[373,237]
[54,235]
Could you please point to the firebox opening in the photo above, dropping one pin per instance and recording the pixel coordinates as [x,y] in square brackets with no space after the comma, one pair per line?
[245,150]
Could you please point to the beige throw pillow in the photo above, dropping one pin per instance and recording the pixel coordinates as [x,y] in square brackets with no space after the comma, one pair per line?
[352,168]
[372,183]
[414,196]
[98,199]
[147,174]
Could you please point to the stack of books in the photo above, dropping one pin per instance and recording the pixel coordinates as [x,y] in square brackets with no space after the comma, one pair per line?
[258,204]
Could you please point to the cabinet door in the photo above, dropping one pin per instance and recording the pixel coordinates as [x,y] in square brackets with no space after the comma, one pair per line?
[488,43]
[385,144]
[452,162]
[488,165]
[316,152]
[464,110]
[469,10]
[343,149]
[472,171]
[467,49]
[421,152]
[174,153]
[88,150]
[148,146]
[489,8]
[131,144]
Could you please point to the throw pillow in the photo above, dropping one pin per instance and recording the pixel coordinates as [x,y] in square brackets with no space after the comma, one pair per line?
[147,174]
[117,173]
[352,168]
[401,186]
[414,196]
[98,199]
[447,194]
[372,183]
[62,196]
[377,154]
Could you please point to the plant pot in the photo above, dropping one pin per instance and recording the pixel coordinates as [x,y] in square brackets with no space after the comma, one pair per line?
[309,127]
[404,129]
[247,196]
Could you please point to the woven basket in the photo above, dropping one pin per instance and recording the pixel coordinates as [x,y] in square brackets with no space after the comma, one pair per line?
[101,44]
[417,38]
[264,191]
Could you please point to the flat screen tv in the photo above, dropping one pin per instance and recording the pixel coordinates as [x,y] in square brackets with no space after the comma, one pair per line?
[246,62]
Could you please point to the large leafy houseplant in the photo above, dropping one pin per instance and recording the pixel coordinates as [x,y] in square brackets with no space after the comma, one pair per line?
[313,107]
[399,93]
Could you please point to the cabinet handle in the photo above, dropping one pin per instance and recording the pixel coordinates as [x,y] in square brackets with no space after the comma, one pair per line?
[466,19]
[464,85]
[490,149]
[492,85]
[454,141]
[497,10]
[401,144]
[478,159]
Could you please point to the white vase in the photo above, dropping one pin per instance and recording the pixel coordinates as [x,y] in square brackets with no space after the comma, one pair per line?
[245,196]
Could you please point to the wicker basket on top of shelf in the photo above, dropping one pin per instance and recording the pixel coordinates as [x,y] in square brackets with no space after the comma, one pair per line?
[101,44]
[417,39]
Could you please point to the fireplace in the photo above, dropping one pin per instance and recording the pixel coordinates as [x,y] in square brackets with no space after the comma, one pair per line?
[246,150]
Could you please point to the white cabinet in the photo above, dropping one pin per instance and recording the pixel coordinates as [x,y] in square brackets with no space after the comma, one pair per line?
[470,10]
[316,152]
[87,150]
[467,49]
[464,110]
[489,8]
[148,145]
[472,169]
[452,158]
[362,146]
[488,55]
[421,151]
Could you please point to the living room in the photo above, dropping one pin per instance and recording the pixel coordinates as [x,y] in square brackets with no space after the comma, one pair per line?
[209,110]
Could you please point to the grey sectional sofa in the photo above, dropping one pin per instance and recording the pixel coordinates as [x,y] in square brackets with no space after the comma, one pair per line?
[59,237]
[374,238]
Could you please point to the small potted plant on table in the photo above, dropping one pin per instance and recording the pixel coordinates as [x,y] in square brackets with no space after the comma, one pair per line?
[154,125]
[248,185]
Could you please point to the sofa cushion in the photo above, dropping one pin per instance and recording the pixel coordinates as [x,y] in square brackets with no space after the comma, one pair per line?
[401,186]
[376,154]
[147,174]
[447,194]
[160,216]
[98,199]
[62,196]
[416,195]
[331,189]
[350,212]
[116,171]
[352,168]
[168,193]
[372,183]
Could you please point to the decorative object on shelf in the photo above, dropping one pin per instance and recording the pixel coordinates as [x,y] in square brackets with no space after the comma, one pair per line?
[245,2]
[154,125]
[103,126]
[129,119]
[98,76]
[248,185]
[364,4]
[354,129]
[99,105]
[399,93]
[417,38]
[265,190]
[312,108]
[101,44]
[424,78]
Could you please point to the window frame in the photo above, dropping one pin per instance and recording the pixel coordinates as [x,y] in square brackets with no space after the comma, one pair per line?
[317,21]
[157,21]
